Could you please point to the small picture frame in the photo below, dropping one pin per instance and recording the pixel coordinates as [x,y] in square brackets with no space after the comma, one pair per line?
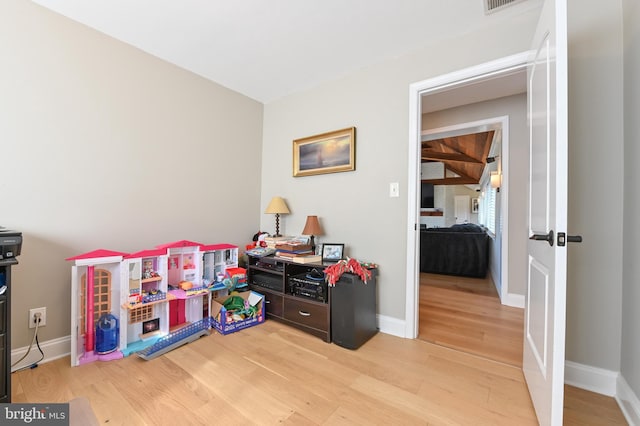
[332,252]
[475,204]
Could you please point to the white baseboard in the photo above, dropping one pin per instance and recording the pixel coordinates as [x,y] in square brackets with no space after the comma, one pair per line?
[628,402]
[390,325]
[52,349]
[514,300]
[590,378]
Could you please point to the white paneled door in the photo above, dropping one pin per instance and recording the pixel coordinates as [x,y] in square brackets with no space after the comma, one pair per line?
[545,300]
[462,208]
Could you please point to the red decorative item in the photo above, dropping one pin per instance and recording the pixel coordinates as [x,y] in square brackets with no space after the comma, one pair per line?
[335,271]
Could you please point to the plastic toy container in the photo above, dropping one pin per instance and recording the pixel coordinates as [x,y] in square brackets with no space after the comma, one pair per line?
[107,334]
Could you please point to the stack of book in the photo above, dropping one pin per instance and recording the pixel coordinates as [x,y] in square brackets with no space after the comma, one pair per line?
[292,248]
[272,241]
[296,251]
[308,258]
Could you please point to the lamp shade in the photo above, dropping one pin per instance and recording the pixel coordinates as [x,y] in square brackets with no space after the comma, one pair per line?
[496,180]
[277,206]
[312,226]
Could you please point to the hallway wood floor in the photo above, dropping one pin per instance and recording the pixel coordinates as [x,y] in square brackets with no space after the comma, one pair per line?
[465,314]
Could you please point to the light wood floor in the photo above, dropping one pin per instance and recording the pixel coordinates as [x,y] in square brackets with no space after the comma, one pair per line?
[273,374]
[466,314]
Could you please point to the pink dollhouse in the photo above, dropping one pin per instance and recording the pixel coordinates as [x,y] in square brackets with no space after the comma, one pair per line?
[152,298]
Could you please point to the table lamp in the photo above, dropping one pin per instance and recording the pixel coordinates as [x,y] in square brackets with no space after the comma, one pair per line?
[312,227]
[277,206]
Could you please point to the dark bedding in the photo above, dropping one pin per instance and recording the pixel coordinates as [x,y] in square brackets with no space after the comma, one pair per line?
[458,250]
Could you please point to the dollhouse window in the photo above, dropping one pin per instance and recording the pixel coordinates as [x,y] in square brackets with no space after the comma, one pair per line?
[101,296]
[143,313]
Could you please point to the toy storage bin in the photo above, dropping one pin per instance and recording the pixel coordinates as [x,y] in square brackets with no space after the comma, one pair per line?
[107,334]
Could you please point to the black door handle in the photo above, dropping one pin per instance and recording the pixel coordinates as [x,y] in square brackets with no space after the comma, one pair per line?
[543,237]
[563,239]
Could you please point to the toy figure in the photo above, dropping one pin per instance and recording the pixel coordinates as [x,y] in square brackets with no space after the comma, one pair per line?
[148,269]
[188,262]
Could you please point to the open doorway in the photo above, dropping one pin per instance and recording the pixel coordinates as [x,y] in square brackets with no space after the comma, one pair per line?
[461,283]
[460,161]
[446,93]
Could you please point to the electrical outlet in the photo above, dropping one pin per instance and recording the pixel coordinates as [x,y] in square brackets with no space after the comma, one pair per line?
[33,319]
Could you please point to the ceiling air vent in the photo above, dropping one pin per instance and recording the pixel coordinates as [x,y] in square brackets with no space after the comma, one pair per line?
[491,6]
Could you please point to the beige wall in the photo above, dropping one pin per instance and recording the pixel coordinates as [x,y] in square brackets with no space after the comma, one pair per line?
[444,199]
[355,207]
[594,273]
[104,146]
[630,357]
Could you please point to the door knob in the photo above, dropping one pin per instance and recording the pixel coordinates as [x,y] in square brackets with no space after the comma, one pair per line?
[543,237]
[564,238]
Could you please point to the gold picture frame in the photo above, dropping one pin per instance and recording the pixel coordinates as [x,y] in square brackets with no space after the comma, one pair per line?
[329,152]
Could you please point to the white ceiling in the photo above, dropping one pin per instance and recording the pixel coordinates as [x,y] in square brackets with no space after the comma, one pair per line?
[267,49]
[505,85]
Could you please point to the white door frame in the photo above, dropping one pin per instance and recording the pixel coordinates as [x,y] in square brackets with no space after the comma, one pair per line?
[452,80]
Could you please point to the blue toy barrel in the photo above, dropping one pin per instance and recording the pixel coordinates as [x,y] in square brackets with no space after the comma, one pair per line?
[107,333]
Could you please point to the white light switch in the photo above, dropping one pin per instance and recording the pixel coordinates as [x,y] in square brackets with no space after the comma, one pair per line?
[394,189]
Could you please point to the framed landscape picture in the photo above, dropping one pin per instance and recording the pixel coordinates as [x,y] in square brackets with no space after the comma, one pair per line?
[325,153]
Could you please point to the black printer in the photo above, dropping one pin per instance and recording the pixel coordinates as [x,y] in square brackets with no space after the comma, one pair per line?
[10,246]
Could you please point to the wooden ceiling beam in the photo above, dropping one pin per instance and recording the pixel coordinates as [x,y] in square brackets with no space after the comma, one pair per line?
[451,181]
[436,145]
[463,173]
[464,155]
[449,156]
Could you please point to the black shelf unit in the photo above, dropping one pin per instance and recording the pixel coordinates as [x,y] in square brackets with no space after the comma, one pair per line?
[273,281]
[10,246]
[346,315]
[5,330]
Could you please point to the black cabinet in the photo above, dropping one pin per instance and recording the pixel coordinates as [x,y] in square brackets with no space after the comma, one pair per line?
[353,310]
[284,301]
[10,247]
[344,314]
[5,333]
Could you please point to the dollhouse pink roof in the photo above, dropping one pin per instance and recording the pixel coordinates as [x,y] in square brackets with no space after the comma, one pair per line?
[218,247]
[97,254]
[178,244]
[146,253]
